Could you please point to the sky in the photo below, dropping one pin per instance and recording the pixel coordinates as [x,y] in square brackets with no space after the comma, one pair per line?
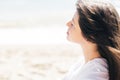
[29,13]
[36,5]
[36,21]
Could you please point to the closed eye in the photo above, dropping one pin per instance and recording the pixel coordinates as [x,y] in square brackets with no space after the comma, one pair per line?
[72,24]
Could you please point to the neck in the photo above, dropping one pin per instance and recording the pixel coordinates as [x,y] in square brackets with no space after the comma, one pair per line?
[90,51]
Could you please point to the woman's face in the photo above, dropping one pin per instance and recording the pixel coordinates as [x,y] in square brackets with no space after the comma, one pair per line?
[74,31]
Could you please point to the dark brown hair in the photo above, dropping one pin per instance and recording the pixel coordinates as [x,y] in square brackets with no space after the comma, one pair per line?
[99,23]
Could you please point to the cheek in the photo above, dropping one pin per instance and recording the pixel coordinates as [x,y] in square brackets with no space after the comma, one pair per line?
[78,38]
[75,36]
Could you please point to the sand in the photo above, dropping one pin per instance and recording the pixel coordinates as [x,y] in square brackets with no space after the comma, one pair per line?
[37,62]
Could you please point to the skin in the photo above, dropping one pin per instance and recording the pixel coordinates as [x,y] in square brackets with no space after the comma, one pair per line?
[74,34]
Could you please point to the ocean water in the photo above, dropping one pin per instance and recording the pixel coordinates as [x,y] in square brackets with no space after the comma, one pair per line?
[33,36]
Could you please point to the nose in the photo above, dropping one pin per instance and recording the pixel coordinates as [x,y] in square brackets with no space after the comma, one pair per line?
[68,23]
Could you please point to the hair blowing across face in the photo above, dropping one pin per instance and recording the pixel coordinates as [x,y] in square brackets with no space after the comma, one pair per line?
[99,23]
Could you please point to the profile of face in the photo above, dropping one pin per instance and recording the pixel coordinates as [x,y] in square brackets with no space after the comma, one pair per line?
[74,32]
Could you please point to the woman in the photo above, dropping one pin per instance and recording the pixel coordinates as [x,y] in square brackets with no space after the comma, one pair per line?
[95,26]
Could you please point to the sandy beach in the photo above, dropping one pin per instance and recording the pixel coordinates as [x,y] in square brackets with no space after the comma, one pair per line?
[37,62]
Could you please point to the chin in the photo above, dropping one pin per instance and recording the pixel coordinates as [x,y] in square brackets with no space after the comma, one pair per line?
[69,39]
[73,41]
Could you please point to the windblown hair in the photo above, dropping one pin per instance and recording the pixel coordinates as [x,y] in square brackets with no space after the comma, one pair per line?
[99,23]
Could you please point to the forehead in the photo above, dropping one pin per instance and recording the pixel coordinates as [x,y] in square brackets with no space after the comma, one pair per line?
[76,16]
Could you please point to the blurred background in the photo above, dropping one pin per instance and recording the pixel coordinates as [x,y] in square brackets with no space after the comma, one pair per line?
[33,44]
